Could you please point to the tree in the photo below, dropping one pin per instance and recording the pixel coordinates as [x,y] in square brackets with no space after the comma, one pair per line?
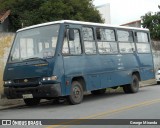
[29,12]
[152,22]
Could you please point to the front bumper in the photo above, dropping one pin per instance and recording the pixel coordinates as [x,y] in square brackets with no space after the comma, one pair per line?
[41,91]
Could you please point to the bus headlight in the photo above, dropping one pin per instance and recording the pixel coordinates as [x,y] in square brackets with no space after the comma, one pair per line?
[50,78]
[8,82]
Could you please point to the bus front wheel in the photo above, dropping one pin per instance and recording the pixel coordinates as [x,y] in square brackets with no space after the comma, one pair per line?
[133,87]
[76,95]
[32,101]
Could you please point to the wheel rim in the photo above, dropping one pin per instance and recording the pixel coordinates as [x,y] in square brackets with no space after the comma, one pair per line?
[77,93]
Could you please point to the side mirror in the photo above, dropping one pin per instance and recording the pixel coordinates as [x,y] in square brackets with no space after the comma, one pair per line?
[71,34]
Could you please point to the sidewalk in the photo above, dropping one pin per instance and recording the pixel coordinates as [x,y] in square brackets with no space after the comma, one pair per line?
[9,103]
[148,83]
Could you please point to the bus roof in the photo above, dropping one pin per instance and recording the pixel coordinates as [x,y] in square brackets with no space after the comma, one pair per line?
[82,23]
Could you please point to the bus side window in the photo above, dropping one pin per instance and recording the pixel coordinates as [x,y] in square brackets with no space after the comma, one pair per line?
[106,41]
[125,38]
[72,47]
[89,41]
[142,42]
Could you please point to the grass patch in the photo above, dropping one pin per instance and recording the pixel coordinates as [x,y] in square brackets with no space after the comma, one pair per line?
[119,89]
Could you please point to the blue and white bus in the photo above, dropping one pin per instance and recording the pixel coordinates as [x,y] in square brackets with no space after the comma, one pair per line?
[67,58]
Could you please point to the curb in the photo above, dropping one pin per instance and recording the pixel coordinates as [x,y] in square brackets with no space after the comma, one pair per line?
[9,103]
[10,106]
[148,83]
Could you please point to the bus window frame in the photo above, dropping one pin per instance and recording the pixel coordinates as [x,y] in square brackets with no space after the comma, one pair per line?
[149,41]
[131,33]
[67,36]
[109,28]
[94,39]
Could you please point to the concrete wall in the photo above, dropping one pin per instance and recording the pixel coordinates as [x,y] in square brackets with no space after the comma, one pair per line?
[156,56]
[6,40]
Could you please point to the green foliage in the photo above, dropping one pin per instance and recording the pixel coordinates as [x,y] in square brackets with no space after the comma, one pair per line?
[152,22]
[29,12]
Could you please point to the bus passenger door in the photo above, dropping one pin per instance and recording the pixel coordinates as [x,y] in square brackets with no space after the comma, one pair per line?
[72,55]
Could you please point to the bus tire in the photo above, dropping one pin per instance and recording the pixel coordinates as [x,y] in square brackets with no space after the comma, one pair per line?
[126,89]
[32,101]
[76,95]
[98,92]
[133,87]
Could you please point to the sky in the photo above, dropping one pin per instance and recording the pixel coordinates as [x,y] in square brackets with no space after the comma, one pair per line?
[124,11]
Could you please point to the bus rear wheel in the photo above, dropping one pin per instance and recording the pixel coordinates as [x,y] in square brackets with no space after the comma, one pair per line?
[76,95]
[32,101]
[133,87]
[98,92]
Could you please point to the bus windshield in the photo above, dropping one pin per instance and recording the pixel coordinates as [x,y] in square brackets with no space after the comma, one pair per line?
[39,42]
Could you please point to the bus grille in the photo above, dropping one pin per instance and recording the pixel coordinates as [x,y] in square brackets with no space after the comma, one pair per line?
[26,80]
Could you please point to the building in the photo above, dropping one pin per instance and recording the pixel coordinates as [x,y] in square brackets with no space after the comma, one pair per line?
[105,12]
[4,21]
[136,23]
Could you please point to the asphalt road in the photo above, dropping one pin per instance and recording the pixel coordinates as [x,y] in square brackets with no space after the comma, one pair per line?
[142,105]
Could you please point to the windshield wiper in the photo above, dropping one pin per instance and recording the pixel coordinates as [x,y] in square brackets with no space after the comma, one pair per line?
[36,58]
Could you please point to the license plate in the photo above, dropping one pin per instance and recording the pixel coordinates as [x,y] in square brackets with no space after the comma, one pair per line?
[26,96]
